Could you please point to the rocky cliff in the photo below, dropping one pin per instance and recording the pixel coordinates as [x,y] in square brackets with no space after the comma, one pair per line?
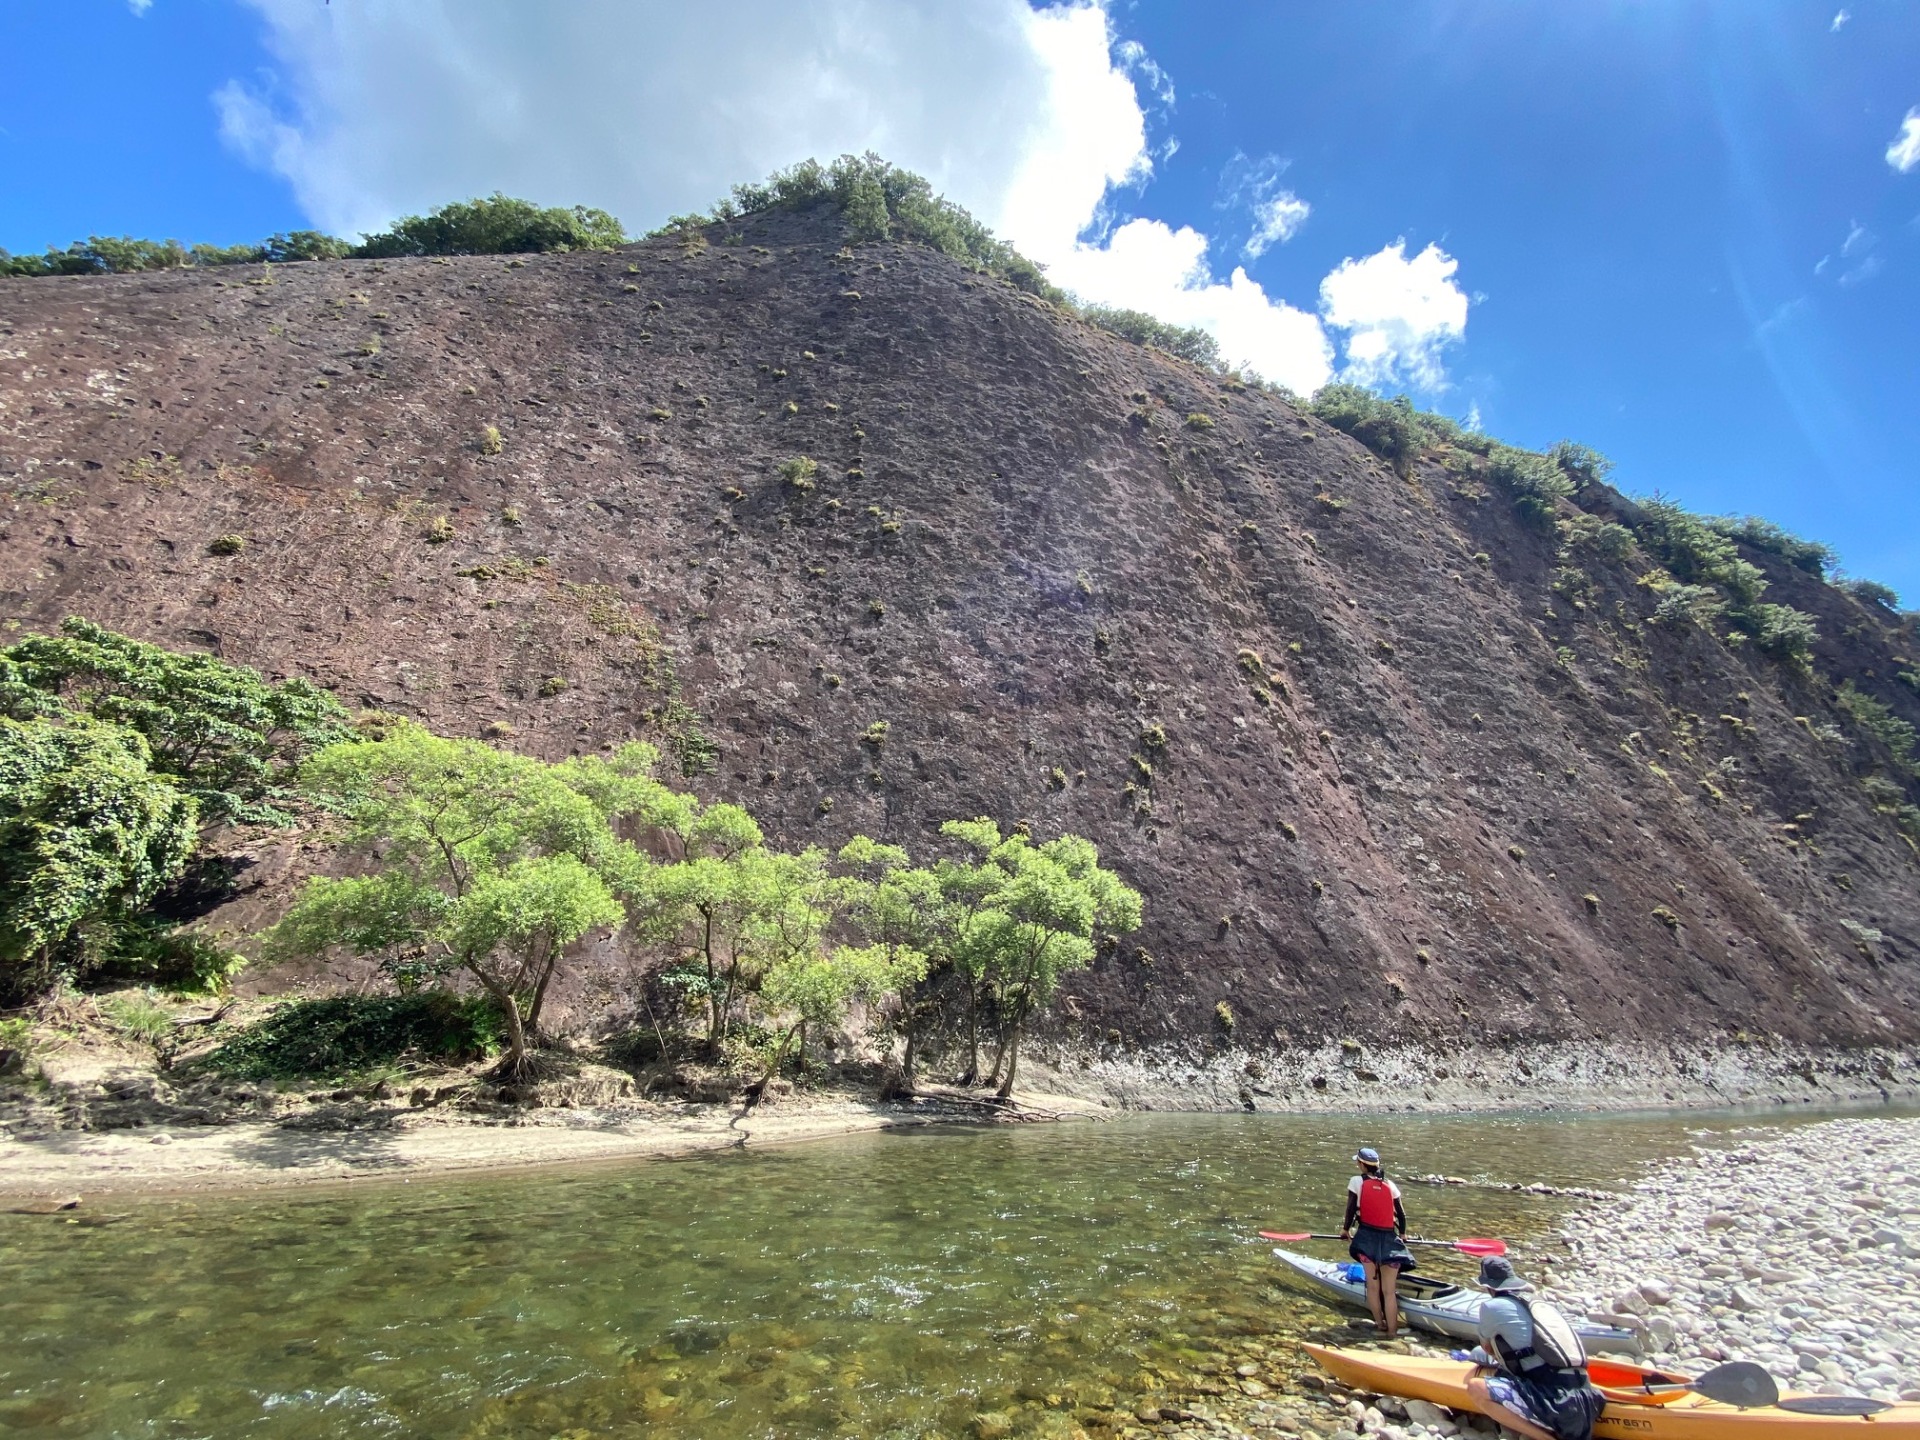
[1374,772]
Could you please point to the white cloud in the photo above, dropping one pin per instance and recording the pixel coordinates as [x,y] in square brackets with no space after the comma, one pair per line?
[1277,213]
[1148,265]
[1903,152]
[1858,264]
[1399,314]
[1277,219]
[139,7]
[381,107]
[1033,119]
[1840,18]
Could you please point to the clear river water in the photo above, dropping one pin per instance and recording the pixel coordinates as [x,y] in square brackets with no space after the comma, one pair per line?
[894,1284]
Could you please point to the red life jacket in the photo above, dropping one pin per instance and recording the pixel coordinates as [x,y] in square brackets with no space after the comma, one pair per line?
[1376,1202]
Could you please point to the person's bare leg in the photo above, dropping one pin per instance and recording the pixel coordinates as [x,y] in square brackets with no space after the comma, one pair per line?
[1390,1297]
[1500,1415]
[1373,1293]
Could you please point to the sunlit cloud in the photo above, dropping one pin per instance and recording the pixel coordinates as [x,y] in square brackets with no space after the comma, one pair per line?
[1399,313]
[1904,151]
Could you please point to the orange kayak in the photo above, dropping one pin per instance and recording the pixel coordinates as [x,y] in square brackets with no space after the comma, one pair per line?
[1631,1413]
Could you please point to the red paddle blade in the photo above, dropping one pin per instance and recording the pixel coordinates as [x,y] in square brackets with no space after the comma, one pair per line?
[1276,1235]
[1481,1247]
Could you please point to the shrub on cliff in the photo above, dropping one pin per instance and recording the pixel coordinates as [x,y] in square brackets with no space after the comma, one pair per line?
[1807,555]
[861,186]
[1389,428]
[495,225]
[108,255]
[1536,482]
[1185,342]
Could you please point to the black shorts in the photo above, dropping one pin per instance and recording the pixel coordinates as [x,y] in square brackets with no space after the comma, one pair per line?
[1382,1246]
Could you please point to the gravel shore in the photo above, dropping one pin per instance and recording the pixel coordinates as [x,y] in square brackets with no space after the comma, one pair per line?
[1791,1250]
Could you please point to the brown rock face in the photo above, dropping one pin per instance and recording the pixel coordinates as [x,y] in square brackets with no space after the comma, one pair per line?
[1374,776]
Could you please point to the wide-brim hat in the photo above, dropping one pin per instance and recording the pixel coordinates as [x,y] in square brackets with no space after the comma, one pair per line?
[1497,1275]
[1367,1155]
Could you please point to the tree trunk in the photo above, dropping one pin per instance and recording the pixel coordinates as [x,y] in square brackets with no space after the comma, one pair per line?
[803,1046]
[999,1059]
[540,987]
[973,1035]
[516,1061]
[906,1063]
[779,1054]
[1005,1091]
[713,994]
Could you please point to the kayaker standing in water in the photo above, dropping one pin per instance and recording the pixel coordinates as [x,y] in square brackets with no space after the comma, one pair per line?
[1373,1202]
[1538,1383]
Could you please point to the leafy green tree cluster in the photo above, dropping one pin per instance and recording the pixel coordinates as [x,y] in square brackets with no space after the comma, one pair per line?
[484,862]
[1018,918]
[498,866]
[219,732]
[1185,342]
[89,835]
[109,255]
[495,225]
[114,756]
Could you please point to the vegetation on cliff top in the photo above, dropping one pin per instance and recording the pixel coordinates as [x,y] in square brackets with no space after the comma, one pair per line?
[494,225]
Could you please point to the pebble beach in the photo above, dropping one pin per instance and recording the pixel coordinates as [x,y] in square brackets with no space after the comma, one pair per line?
[1798,1250]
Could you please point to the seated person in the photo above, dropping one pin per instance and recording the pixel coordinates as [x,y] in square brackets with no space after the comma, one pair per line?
[1537,1385]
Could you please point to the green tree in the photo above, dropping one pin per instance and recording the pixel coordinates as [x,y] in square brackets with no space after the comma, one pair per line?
[107,255]
[495,225]
[228,737]
[732,910]
[488,862]
[88,835]
[901,912]
[1037,922]
[865,211]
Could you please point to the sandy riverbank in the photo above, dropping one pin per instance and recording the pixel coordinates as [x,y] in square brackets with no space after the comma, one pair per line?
[246,1154]
[102,1122]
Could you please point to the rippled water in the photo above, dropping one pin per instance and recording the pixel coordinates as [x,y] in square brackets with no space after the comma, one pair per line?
[881,1285]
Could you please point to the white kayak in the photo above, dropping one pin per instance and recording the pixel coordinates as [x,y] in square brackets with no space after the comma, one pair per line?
[1432,1304]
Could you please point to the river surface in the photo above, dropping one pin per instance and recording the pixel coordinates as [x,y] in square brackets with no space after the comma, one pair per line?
[887,1285]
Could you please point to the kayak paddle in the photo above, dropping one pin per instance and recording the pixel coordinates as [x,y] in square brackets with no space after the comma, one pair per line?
[1473,1246]
[1739,1383]
[1832,1405]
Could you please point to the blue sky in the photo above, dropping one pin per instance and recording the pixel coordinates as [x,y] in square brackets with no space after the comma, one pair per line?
[1677,231]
